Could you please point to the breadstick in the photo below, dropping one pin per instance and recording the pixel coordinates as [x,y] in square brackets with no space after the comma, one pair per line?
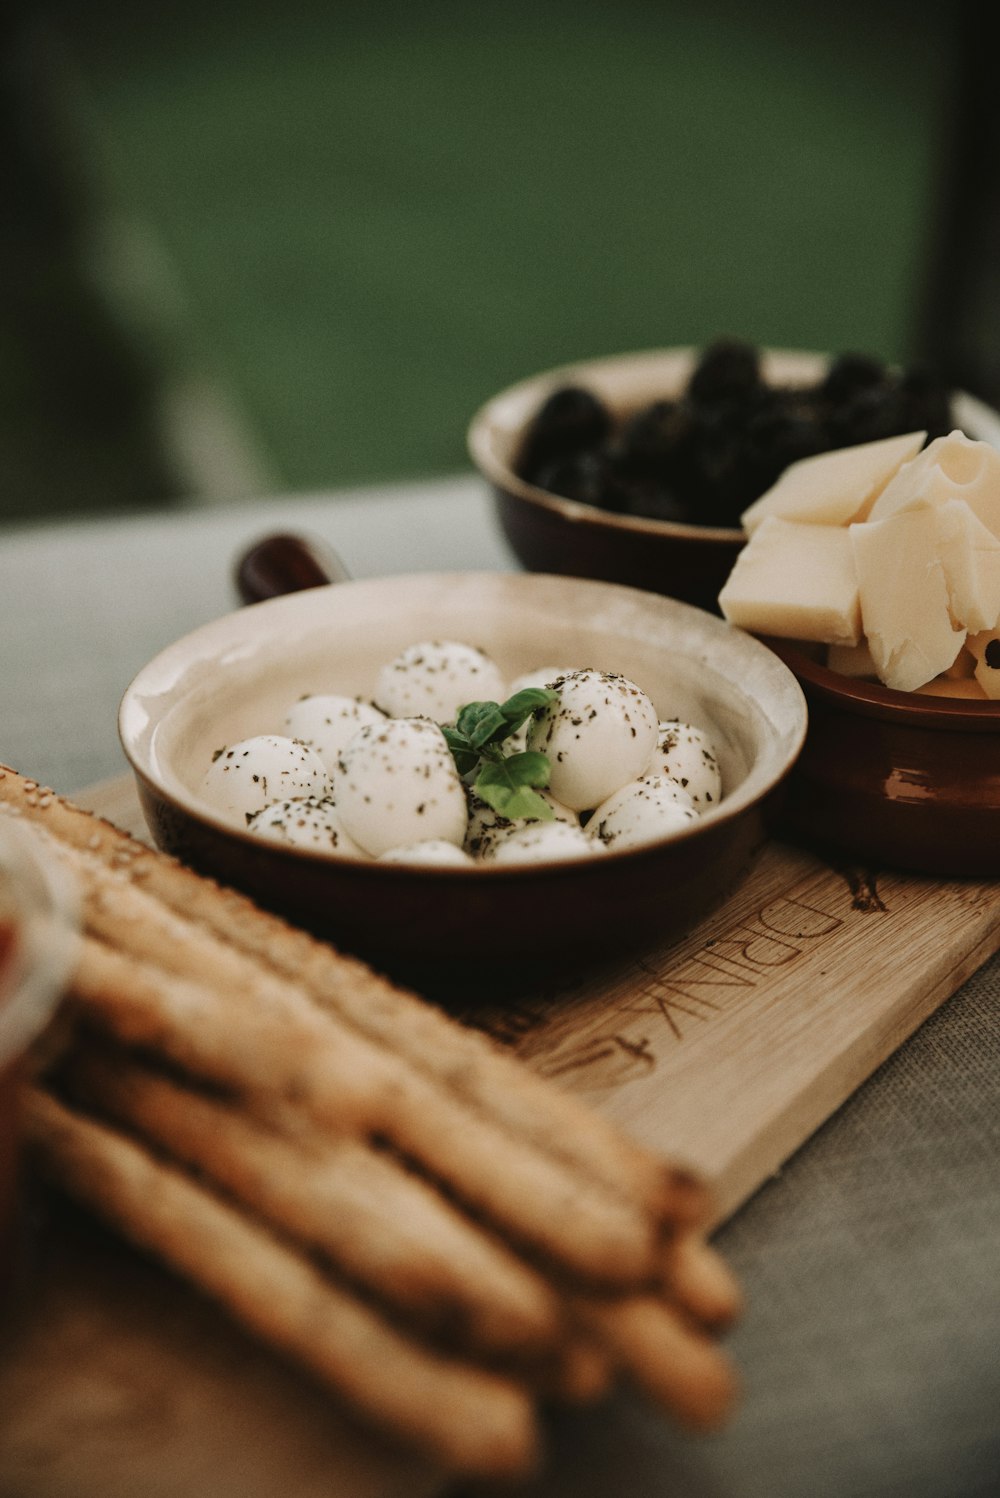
[700,1282]
[460,1416]
[280,1051]
[679,1368]
[466,1061]
[380,1225]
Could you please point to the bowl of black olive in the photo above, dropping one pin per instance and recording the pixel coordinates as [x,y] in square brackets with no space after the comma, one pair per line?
[637,468]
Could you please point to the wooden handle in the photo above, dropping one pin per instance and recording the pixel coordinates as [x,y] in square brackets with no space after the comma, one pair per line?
[285,563]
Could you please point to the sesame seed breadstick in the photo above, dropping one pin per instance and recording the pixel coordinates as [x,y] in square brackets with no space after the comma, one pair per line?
[466,1061]
[281,1051]
[462,1417]
[377,1223]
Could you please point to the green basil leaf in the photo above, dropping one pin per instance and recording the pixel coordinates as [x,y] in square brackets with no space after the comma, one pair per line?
[466,758]
[506,785]
[529,768]
[519,708]
[516,802]
[483,723]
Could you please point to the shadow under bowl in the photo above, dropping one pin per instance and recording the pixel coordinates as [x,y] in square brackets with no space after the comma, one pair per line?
[237,676]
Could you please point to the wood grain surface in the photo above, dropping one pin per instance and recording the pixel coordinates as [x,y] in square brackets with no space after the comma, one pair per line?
[726,1049]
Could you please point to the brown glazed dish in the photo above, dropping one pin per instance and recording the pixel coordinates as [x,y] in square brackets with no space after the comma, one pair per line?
[236,676]
[551,534]
[895,778]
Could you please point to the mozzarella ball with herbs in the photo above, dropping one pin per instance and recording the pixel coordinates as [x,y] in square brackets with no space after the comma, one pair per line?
[435,679]
[397,784]
[245,777]
[641,812]
[311,822]
[685,753]
[327,722]
[598,735]
[542,842]
[488,828]
[433,853]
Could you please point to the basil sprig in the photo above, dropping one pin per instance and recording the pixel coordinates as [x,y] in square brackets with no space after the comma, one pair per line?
[508,783]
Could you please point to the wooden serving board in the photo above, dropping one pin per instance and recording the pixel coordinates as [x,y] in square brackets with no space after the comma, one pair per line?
[726,1050]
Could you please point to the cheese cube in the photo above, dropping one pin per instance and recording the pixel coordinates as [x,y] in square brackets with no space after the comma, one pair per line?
[970,556]
[796,581]
[834,488]
[952,467]
[904,599]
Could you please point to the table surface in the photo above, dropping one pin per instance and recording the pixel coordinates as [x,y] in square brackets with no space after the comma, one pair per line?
[871,1344]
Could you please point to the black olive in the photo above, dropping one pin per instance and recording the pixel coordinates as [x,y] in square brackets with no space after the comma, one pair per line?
[571,420]
[850,373]
[728,371]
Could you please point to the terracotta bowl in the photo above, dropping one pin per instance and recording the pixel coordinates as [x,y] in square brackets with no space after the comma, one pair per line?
[895,778]
[552,534]
[235,677]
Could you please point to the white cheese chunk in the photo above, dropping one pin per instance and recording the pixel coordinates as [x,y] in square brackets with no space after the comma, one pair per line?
[970,556]
[797,581]
[904,599]
[952,467]
[834,488]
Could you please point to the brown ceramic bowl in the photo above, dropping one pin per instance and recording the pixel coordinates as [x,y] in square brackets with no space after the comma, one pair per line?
[236,676]
[895,778]
[552,534]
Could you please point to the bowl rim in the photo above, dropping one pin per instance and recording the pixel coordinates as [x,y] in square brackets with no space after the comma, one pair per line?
[133,722]
[791,366]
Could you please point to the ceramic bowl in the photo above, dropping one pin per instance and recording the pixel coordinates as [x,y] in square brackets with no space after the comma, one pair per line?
[235,677]
[897,779]
[551,534]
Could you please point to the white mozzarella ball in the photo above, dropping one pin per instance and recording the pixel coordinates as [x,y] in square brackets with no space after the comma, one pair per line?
[397,783]
[686,754]
[649,808]
[433,852]
[243,778]
[326,723]
[543,842]
[598,736]
[306,822]
[436,678]
[487,828]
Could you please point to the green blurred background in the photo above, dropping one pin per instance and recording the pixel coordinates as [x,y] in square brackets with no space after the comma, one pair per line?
[252,248]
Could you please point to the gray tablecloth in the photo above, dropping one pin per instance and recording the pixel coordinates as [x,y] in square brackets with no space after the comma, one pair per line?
[871,1345]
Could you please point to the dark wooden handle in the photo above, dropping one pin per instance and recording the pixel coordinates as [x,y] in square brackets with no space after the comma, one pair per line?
[285,563]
